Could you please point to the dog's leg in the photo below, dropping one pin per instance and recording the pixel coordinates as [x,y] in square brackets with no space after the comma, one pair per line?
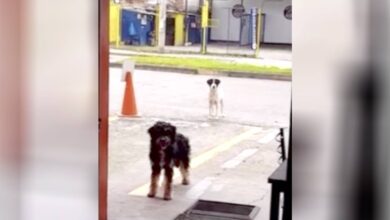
[168,183]
[184,169]
[156,170]
[210,109]
[215,110]
[221,108]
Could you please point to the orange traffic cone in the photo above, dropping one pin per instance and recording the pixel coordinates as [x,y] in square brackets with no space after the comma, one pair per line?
[129,107]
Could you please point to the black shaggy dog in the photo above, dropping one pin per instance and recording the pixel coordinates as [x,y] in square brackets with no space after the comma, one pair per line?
[167,149]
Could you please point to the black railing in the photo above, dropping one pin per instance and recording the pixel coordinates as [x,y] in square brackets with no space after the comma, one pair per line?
[282,146]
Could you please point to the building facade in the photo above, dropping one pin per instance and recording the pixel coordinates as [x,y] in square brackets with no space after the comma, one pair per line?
[230,21]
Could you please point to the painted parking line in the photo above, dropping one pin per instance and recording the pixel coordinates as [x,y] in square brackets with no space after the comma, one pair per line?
[271,134]
[204,157]
[201,159]
[200,188]
[237,160]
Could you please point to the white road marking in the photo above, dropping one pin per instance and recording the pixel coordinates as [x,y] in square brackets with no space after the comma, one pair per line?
[201,159]
[269,137]
[196,191]
[230,164]
[204,125]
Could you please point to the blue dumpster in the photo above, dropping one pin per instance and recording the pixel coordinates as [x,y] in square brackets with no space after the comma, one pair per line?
[136,27]
[194,31]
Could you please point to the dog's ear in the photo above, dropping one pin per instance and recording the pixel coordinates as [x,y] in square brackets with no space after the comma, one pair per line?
[210,81]
[152,131]
[217,81]
[174,130]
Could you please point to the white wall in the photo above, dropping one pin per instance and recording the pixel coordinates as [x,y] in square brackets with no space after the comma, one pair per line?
[193,5]
[60,167]
[228,27]
[277,28]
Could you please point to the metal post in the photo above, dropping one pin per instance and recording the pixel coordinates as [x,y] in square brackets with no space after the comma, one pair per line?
[162,16]
[204,39]
[118,36]
[186,24]
[205,24]
[254,28]
[156,25]
[118,23]
[258,33]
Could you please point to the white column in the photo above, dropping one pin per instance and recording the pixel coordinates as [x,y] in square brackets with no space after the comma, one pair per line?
[162,23]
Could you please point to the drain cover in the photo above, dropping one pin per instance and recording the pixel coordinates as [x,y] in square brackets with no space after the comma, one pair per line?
[209,210]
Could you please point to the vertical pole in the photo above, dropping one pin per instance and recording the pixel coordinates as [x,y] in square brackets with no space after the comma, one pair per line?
[118,35]
[156,25]
[103,105]
[186,23]
[204,39]
[205,21]
[258,39]
[275,202]
[254,28]
[287,204]
[162,16]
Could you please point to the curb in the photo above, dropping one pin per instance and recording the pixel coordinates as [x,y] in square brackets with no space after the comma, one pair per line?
[168,51]
[278,77]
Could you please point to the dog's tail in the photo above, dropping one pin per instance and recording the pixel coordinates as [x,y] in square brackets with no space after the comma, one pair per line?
[184,150]
[184,145]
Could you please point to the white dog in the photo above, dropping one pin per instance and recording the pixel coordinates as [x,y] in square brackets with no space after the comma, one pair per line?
[215,98]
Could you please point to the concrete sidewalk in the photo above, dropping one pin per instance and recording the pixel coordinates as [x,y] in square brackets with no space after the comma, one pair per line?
[230,163]
[232,157]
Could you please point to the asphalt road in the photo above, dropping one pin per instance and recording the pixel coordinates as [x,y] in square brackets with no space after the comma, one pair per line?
[178,96]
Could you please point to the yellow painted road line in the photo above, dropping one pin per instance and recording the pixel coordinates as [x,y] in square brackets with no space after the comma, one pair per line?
[204,157]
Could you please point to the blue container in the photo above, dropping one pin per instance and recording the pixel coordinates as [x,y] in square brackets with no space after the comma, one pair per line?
[194,32]
[134,31]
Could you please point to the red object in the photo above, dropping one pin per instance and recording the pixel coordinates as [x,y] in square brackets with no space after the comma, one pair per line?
[129,107]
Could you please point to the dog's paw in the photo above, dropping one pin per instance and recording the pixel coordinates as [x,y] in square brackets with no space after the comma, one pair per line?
[167,197]
[151,195]
[185,182]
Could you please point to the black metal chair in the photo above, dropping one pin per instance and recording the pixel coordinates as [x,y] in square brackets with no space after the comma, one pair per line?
[281,179]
